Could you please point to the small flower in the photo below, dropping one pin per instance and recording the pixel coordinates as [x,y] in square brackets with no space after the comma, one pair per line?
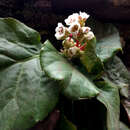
[72,18]
[73,51]
[89,35]
[84,16]
[86,29]
[60,31]
[74,27]
[68,42]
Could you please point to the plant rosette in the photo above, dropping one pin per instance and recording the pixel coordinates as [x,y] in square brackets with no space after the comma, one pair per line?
[34,76]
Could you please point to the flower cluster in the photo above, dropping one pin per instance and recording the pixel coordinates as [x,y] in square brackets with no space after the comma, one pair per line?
[75,36]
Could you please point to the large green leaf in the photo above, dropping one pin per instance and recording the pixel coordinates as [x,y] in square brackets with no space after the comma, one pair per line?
[17,42]
[90,59]
[117,72]
[109,96]
[74,84]
[108,39]
[26,94]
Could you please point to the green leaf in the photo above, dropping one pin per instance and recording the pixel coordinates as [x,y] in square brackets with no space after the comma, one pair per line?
[118,74]
[74,84]
[65,124]
[90,59]
[123,126]
[109,96]
[17,42]
[108,39]
[26,94]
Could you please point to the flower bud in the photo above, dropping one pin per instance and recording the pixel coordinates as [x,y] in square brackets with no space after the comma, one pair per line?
[68,42]
[89,35]
[73,51]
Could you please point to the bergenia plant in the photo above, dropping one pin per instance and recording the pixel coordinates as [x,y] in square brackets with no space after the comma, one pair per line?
[36,79]
[75,36]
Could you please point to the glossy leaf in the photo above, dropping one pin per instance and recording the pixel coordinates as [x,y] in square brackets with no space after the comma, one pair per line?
[90,59]
[108,39]
[109,96]
[17,42]
[74,84]
[117,72]
[26,94]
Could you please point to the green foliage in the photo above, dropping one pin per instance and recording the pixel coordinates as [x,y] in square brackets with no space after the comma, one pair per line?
[33,76]
[90,59]
[108,40]
[118,74]
[26,94]
[73,83]
[109,96]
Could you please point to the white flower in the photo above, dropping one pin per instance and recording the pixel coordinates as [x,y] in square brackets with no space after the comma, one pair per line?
[89,35]
[73,51]
[74,27]
[60,31]
[72,18]
[84,15]
[86,29]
